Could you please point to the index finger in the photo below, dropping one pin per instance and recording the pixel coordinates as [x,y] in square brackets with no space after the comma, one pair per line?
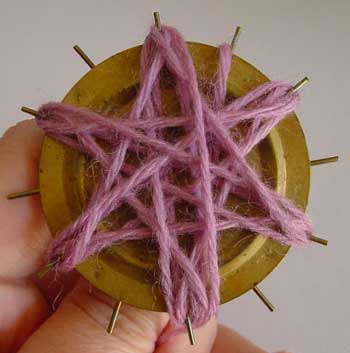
[23,231]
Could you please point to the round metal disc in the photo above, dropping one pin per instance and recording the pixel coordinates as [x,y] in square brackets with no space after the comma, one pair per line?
[128,271]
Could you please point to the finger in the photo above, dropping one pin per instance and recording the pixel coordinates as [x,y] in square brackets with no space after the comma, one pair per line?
[24,234]
[23,309]
[23,237]
[180,343]
[79,325]
[229,341]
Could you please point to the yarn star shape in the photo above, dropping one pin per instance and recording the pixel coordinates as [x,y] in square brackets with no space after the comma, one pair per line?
[213,136]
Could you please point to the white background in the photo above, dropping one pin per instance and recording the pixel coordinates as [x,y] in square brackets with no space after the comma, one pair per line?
[286,40]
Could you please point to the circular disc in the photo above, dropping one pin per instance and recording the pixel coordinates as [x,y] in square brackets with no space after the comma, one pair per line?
[128,271]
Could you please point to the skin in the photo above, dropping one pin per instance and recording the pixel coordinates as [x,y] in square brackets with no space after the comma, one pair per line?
[28,322]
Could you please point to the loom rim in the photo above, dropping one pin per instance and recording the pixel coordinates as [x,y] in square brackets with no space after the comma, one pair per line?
[235,281]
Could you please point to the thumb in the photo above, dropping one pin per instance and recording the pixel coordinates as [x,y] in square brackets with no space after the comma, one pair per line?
[80,322]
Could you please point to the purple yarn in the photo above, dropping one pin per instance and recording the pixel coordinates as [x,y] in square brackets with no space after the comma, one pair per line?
[215,161]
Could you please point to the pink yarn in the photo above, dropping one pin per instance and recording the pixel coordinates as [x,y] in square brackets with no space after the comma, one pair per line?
[206,150]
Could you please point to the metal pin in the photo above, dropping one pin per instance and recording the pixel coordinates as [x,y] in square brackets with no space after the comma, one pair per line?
[300,84]
[324,160]
[319,240]
[114,317]
[83,55]
[190,331]
[157,19]
[17,195]
[32,112]
[235,37]
[48,267]
[263,298]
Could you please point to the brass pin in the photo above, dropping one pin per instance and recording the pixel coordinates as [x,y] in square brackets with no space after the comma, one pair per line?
[17,195]
[324,160]
[157,19]
[319,240]
[190,331]
[83,55]
[263,298]
[48,267]
[235,37]
[114,317]
[300,84]
[31,112]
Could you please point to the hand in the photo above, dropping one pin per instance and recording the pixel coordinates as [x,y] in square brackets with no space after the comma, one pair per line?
[28,323]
